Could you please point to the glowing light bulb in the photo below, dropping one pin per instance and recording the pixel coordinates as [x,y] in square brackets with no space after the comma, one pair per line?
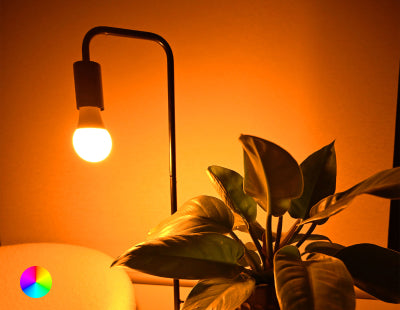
[91,141]
[92,144]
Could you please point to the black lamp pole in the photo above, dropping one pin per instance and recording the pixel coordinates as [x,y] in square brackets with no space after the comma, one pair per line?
[87,77]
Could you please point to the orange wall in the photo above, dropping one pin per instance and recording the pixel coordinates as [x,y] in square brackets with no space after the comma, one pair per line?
[299,73]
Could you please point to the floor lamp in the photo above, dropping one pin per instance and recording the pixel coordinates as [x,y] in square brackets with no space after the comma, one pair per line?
[91,140]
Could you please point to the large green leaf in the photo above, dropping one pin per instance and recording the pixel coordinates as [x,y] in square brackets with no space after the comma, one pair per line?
[200,214]
[385,184]
[196,256]
[327,248]
[299,237]
[272,175]
[317,284]
[319,173]
[221,294]
[229,184]
[251,251]
[375,270]
[256,227]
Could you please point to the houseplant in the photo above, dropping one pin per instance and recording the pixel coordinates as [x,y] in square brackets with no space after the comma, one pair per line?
[201,240]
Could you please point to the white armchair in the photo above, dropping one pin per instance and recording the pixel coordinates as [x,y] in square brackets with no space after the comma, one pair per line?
[82,278]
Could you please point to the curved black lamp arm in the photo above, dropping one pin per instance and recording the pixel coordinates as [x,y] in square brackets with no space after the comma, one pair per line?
[171,103]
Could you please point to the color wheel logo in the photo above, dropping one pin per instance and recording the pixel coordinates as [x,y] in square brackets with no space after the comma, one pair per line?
[36,281]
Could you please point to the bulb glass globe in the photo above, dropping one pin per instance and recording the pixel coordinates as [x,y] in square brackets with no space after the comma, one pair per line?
[92,144]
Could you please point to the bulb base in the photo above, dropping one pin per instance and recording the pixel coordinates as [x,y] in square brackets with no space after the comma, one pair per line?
[88,87]
[89,117]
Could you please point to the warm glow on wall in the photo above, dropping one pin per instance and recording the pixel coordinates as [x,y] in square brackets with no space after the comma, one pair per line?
[298,73]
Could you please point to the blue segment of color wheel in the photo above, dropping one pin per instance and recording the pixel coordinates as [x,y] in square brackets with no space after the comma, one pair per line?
[36,281]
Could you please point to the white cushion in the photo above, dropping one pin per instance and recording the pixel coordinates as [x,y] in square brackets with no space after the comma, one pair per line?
[82,278]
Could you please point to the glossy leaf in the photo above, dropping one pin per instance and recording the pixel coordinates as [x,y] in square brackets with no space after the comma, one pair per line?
[251,246]
[272,175]
[375,270]
[320,283]
[223,294]
[200,214]
[256,227]
[229,184]
[327,248]
[196,256]
[251,250]
[319,174]
[298,237]
[385,184]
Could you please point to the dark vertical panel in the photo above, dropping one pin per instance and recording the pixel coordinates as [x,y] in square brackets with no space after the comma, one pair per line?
[394,220]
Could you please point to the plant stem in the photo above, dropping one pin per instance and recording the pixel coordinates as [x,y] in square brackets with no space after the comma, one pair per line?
[306,235]
[293,231]
[278,233]
[253,264]
[256,243]
[268,241]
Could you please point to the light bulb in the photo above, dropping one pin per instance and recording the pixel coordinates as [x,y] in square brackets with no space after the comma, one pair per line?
[92,144]
[91,141]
